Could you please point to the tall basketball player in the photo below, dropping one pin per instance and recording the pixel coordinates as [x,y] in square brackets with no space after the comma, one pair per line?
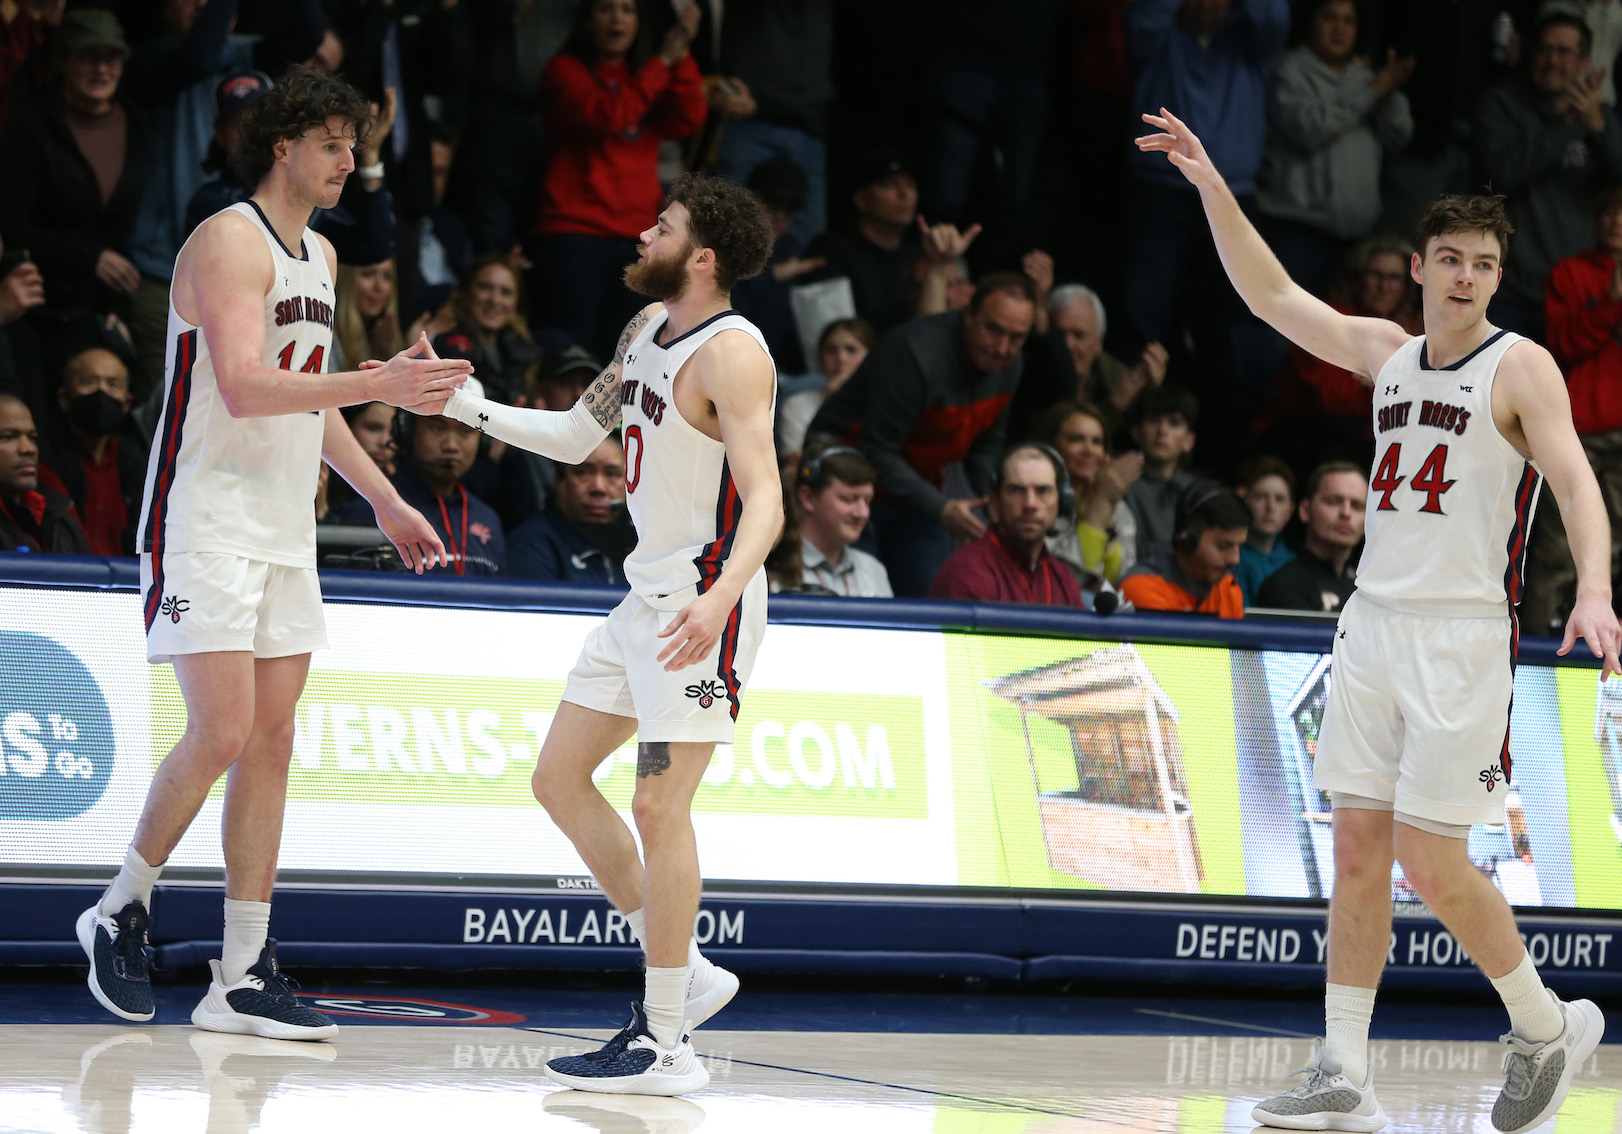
[694,387]
[228,577]
[1415,743]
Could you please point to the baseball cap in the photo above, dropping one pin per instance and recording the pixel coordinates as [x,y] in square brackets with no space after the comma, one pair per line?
[567,361]
[91,29]
[240,91]
[880,162]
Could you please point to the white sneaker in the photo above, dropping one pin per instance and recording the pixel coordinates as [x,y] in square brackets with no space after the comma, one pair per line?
[1327,1100]
[710,988]
[1538,1075]
[633,1063]
[260,1004]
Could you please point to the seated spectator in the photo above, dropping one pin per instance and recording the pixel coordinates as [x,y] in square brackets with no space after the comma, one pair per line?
[934,393]
[1267,486]
[785,564]
[585,533]
[1195,573]
[764,299]
[1323,575]
[564,377]
[366,316]
[73,178]
[33,516]
[1065,360]
[1011,561]
[488,304]
[1330,119]
[372,423]
[97,452]
[1584,305]
[1099,542]
[608,100]
[1164,432]
[833,493]
[877,256]
[434,455]
[841,347]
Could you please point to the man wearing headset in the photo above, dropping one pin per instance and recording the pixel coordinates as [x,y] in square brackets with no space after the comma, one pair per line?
[833,492]
[1196,576]
[1011,562]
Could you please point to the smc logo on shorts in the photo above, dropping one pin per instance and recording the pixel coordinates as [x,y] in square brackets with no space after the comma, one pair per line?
[705,693]
[56,733]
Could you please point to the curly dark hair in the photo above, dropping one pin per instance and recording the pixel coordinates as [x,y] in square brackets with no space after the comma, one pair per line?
[301,100]
[1458,212]
[730,221]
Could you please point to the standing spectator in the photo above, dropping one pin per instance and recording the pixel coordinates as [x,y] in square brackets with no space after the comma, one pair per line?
[93,448]
[1065,359]
[435,246]
[1604,20]
[609,100]
[833,497]
[1330,119]
[488,304]
[33,516]
[841,348]
[1194,574]
[24,25]
[1323,575]
[172,76]
[72,179]
[585,533]
[434,455]
[1213,57]
[1010,561]
[933,393]
[1164,432]
[1549,143]
[778,55]
[878,254]
[1099,542]
[1585,335]
[764,299]
[1267,486]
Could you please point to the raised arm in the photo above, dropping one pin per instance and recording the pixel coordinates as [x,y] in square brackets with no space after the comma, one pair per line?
[562,435]
[220,285]
[738,379]
[1535,394]
[1349,342]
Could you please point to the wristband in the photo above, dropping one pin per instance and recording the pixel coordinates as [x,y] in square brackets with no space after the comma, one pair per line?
[373,172]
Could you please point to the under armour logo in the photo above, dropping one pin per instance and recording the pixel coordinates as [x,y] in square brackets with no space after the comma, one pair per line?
[483,417]
[630,358]
[1389,390]
[1342,634]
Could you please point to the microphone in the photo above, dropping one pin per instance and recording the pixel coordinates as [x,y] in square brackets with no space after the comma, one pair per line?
[1106,602]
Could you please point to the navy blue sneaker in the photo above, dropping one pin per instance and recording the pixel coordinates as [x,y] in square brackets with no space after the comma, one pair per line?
[120,971]
[633,1063]
[260,1004]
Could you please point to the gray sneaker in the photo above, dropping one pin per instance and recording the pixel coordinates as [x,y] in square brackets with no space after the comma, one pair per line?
[1538,1075]
[1326,1100]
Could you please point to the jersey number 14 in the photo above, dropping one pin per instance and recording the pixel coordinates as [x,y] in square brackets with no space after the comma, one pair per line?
[1431,479]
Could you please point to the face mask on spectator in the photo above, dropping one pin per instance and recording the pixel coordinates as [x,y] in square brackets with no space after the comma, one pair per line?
[98,413]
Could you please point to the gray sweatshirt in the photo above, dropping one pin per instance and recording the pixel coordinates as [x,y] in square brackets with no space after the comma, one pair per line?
[1326,132]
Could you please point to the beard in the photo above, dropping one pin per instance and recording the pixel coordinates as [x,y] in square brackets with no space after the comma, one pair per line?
[658,279]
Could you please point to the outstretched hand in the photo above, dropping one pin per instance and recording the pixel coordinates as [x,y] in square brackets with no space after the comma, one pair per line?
[1593,620]
[417,379]
[1181,148]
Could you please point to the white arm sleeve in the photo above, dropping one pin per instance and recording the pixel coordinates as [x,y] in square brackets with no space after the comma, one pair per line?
[563,436]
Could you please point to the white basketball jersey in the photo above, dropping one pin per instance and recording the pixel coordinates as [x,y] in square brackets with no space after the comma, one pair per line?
[242,486]
[677,484]
[1450,502]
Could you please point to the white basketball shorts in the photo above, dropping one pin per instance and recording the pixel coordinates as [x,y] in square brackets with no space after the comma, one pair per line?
[202,602]
[618,672]
[1418,712]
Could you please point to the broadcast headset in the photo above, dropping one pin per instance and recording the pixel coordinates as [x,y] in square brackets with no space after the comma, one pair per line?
[403,429]
[810,470]
[1196,496]
[1067,491]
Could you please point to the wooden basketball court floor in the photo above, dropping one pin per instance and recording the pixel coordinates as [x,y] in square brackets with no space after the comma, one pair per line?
[110,1078]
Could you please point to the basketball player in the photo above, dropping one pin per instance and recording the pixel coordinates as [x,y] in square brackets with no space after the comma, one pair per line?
[694,387]
[1415,741]
[228,577]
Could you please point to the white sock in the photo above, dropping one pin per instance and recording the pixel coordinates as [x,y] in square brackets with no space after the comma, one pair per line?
[1533,1014]
[665,1003]
[133,884]
[1347,1012]
[247,924]
[637,919]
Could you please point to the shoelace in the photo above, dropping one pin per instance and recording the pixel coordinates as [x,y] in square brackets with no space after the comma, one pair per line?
[280,987]
[1317,1079]
[1518,1065]
[130,953]
[615,1047]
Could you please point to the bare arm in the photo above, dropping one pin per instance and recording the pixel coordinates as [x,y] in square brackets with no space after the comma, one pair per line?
[220,285]
[1349,342]
[738,379]
[1535,393]
[419,545]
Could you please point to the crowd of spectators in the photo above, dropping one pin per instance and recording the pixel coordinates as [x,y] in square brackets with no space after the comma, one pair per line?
[1011,367]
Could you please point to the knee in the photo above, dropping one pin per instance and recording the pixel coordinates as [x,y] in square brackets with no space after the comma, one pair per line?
[547,784]
[1362,857]
[219,743]
[1432,872]
[655,817]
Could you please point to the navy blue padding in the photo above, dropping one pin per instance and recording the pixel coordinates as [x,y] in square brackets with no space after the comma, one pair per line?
[95,573]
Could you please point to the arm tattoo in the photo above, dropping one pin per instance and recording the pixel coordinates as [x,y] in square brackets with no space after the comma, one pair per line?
[652,759]
[638,321]
[603,399]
